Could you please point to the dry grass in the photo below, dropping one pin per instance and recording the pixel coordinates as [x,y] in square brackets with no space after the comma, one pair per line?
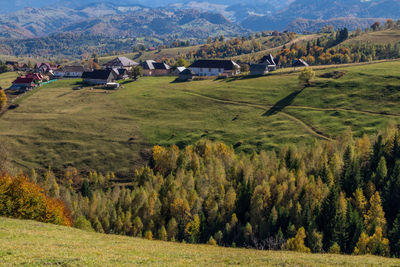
[29,243]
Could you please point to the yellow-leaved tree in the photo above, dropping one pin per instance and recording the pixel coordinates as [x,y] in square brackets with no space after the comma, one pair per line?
[297,243]
[306,76]
[3,99]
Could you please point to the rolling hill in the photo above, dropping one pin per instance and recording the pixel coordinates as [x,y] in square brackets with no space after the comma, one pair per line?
[91,129]
[38,244]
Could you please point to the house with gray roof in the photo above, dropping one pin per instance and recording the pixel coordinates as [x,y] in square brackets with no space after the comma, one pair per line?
[120,63]
[153,68]
[207,67]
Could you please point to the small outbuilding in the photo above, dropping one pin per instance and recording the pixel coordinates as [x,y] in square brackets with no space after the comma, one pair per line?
[179,70]
[186,75]
[258,69]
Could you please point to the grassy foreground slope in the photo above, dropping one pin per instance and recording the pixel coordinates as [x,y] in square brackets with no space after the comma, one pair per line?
[31,243]
[110,131]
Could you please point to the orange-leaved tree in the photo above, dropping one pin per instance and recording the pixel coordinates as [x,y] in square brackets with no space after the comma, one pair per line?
[22,199]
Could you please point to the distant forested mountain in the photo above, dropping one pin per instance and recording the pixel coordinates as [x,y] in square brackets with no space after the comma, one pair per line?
[112,20]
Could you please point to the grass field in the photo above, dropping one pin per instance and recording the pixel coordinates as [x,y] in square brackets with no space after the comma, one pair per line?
[110,131]
[378,37]
[29,243]
[6,79]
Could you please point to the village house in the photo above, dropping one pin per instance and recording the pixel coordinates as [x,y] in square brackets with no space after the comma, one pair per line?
[120,63]
[99,77]
[23,83]
[153,68]
[122,74]
[207,67]
[69,72]
[265,65]
[45,68]
[270,61]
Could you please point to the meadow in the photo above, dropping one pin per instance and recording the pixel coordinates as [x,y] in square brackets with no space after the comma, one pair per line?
[30,243]
[56,126]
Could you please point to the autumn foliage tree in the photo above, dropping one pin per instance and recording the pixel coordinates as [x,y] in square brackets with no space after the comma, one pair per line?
[3,100]
[306,76]
[22,199]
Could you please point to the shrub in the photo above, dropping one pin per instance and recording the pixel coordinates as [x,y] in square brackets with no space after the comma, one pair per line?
[212,241]
[334,249]
[148,235]
[82,223]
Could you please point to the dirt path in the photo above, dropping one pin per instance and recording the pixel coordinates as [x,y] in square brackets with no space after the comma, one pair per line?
[305,126]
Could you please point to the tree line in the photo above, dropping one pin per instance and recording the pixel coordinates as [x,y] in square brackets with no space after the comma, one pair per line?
[340,196]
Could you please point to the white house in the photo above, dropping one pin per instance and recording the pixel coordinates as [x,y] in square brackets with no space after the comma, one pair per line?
[69,72]
[207,67]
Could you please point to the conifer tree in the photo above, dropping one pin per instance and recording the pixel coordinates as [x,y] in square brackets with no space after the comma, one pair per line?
[297,243]
[375,216]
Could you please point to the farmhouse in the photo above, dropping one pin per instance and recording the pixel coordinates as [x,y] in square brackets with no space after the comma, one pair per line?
[215,68]
[45,67]
[69,72]
[270,61]
[23,83]
[120,63]
[99,76]
[152,68]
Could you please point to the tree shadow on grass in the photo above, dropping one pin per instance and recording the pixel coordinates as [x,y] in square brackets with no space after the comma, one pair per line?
[284,102]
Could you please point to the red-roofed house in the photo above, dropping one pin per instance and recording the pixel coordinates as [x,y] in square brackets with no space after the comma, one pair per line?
[23,83]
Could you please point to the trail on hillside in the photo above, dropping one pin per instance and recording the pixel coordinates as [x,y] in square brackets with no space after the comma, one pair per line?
[307,127]
[311,129]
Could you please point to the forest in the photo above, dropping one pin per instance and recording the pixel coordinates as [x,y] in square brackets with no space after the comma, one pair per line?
[338,197]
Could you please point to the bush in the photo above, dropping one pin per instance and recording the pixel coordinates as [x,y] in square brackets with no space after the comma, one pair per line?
[148,235]
[82,223]
[212,241]
[334,249]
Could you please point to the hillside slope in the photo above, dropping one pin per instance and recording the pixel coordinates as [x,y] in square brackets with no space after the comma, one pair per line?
[57,126]
[38,244]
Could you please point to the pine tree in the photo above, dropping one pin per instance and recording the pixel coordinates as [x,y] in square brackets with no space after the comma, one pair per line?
[380,174]
[394,237]
[162,234]
[329,220]
[172,229]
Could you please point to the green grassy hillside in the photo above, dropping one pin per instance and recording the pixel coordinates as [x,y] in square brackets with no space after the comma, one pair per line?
[378,37]
[30,243]
[111,131]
